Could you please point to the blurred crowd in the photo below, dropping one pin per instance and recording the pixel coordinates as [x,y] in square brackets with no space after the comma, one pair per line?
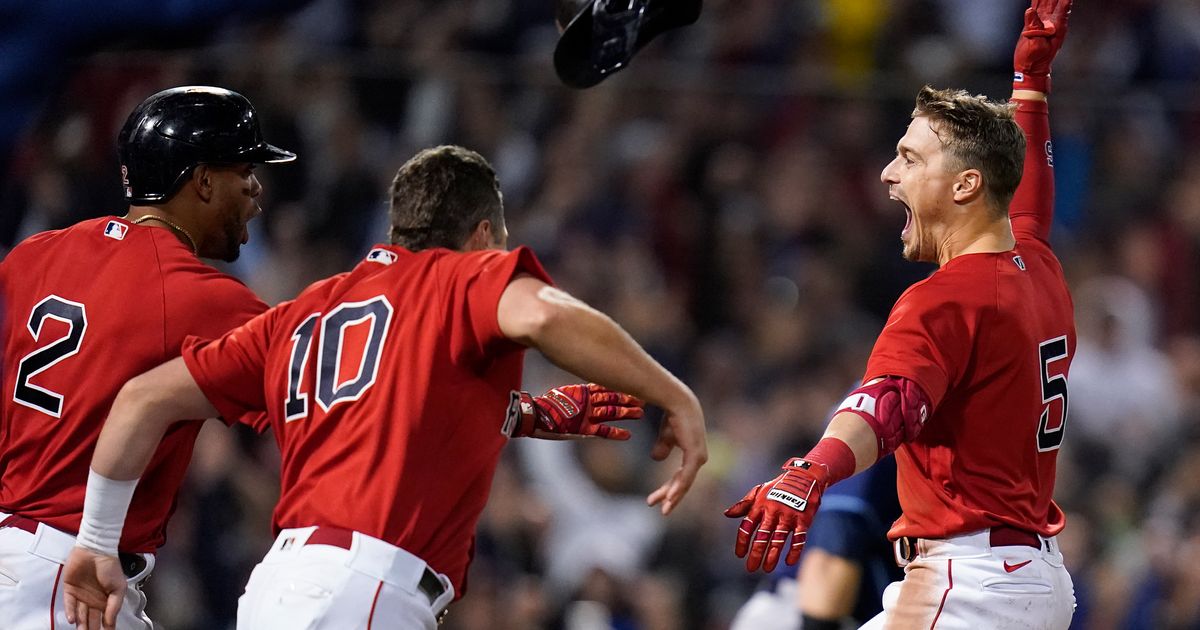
[720,199]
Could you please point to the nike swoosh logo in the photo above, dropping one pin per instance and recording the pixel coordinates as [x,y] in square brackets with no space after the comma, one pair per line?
[1013,567]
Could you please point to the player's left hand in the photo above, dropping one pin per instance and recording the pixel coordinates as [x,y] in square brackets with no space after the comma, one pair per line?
[577,411]
[94,589]
[1042,36]
[770,511]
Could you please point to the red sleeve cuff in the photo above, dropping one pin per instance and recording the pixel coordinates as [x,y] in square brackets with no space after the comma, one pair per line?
[192,346]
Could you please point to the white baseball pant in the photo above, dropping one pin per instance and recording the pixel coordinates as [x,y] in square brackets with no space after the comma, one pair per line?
[326,578]
[965,583]
[31,589]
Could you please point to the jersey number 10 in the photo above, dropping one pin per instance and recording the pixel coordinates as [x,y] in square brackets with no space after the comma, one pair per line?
[332,387]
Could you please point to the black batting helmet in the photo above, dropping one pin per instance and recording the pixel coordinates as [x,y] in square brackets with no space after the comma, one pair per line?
[176,129]
[601,36]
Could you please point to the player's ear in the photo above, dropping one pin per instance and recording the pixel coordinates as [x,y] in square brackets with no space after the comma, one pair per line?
[480,238]
[968,186]
[202,182]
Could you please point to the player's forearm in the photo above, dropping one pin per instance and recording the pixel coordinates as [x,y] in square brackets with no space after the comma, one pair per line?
[141,414]
[858,435]
[1033,201]
[139,417]
[588,343]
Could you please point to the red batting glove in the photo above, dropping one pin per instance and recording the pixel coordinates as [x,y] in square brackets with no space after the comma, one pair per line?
[1044,32]
[571,411]
[785,505]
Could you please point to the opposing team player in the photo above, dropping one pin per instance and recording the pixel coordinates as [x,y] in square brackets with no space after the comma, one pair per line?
[967,381]
[93,305]
[391,390]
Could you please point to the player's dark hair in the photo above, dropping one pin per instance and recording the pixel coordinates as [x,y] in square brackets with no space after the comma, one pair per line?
[978,133]
[440,196]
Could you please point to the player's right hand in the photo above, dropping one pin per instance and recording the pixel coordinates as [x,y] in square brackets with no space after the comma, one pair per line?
[682,428]
[771,511]
[1042,36]
[94,588]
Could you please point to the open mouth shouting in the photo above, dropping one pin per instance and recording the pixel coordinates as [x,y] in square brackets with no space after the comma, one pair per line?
[908,216]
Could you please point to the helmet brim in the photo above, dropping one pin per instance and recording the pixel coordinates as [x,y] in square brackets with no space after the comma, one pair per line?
[266,154]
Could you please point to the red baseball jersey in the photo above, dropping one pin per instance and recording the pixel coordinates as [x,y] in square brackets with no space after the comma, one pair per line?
[87,309]
[989,337]
[387,388]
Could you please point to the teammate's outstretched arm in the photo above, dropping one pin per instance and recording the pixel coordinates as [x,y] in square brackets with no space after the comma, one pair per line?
[870,423]
[94,585]
[586,342]
[1045,29]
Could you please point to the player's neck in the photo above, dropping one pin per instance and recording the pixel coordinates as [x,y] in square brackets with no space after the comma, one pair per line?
[160,217]
[976,237]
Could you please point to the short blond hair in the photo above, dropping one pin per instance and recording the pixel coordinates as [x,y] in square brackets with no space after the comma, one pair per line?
[977,133]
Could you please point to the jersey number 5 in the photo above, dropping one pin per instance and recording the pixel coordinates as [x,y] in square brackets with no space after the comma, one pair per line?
[336,349]
[75,317]
[1051,426]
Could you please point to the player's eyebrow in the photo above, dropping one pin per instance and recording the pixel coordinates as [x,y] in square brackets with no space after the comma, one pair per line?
[902,149]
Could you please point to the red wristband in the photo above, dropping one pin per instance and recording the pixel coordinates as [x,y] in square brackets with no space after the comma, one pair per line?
[836,456]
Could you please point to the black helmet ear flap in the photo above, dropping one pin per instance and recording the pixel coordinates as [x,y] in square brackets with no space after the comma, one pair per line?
[604,35]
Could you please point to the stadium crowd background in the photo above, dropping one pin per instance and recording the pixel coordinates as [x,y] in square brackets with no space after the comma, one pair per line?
[721,200]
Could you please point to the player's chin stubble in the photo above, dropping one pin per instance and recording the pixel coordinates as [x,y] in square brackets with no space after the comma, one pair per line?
[231,241]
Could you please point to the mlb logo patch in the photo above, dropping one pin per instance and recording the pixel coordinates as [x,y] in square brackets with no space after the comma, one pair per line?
[381,256]
[116,230]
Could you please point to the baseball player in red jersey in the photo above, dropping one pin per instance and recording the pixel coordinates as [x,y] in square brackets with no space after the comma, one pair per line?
[967,381]
[95,304]
[391,389]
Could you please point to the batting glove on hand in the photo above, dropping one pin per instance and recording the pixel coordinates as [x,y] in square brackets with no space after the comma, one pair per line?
[1044,32]
[572,411]
[785,505]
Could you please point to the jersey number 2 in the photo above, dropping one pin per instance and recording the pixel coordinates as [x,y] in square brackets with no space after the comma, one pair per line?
[1052,426]
[75,317]
[332,387]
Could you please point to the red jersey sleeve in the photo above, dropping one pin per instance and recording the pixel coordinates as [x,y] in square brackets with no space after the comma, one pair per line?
[927,339]
[474,283]
[230,369]
[1032,208]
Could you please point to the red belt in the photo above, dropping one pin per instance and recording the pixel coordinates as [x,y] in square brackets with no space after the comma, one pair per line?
[1004,536]
[999,536]
[429,584]
[20,522]
[332,536]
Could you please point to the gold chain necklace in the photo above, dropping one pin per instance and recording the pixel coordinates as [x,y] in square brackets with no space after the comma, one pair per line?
[176,226]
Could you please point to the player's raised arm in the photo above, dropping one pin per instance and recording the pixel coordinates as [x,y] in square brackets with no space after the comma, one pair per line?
[94,584]
[588,343]
[1032,208]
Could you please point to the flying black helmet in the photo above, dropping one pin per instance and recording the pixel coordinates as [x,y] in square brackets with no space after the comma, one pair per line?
[174,130]
[601,36]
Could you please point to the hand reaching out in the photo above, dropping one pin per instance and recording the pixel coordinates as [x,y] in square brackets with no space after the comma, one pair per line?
[572,412]
[773,510]
[1041,38]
